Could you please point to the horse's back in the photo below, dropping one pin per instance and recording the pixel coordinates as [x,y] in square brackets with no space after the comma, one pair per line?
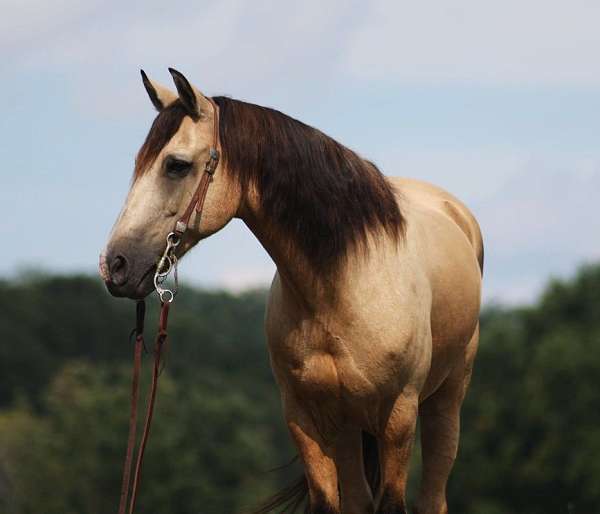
[434,197]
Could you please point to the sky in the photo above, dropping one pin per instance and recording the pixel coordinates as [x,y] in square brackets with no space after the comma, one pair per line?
[498,102]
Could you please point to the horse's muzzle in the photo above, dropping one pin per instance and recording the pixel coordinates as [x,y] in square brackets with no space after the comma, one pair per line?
[124,277]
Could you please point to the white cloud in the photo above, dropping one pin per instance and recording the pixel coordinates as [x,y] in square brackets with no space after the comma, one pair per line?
[469,174]
[242,47]
[258,50]
[229,46]
[539,42]
[538,212]
[544,221]
[27,24]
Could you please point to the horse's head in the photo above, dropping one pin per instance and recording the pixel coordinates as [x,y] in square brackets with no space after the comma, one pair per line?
[167,172]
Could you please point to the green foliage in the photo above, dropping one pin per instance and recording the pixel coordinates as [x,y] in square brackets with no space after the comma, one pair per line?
[205,454]
[65,385]
[530,436]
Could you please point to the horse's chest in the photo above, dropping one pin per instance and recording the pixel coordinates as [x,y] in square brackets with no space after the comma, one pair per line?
[335,375]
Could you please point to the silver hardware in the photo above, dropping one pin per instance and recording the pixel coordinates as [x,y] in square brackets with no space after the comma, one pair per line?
[166,264]
[180,227]
[166,296]
[173,238]
[213,161]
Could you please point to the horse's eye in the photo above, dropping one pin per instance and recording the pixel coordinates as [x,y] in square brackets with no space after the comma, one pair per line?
[177,168]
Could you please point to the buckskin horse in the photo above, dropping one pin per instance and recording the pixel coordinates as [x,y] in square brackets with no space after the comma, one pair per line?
[372,317]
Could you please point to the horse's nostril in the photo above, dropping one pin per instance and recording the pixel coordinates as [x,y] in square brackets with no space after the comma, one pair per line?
[118,270]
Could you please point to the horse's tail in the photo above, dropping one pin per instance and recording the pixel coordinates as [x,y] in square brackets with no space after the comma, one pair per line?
[289,499]
[293,496]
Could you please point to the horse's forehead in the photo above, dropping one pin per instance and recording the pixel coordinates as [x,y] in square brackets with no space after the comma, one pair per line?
[187,135]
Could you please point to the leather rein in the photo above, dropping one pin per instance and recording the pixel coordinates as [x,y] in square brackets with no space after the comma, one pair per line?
[166,265]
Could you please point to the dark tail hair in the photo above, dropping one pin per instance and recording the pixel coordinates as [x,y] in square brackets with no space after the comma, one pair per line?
[294,496]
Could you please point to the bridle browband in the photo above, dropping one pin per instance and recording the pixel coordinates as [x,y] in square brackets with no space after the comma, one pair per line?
[166,265]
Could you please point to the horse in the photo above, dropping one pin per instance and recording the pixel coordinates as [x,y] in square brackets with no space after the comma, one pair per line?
[372,319]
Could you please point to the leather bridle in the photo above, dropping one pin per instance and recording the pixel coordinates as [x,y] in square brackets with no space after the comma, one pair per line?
[168,261]
[166,265]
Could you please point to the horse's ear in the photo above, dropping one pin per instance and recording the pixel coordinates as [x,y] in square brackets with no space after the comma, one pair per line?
[159,95]
[192,99]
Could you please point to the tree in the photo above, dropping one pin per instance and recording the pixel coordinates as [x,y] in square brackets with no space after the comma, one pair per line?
[531,422]
[530,427]
[205,453]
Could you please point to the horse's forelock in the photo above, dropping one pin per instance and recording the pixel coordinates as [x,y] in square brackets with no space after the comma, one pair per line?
[164,127]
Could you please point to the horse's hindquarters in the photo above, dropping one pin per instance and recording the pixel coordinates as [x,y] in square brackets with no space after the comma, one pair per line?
[449,247]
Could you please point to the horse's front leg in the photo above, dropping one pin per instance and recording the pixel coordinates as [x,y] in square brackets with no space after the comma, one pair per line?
[317,457]
[395,445]
[354,488]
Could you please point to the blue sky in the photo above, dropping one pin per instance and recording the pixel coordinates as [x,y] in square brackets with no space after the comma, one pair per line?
[497,102]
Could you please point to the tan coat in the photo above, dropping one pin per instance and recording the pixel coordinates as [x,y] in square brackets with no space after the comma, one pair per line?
[391,335]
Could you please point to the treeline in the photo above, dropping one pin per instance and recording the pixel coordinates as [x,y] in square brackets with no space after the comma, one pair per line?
[530,432]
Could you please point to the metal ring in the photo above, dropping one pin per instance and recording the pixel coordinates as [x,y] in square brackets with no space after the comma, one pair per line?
[166,291]
[173,239]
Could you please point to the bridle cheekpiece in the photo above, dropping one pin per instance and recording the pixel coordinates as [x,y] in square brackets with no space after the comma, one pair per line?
[168,261]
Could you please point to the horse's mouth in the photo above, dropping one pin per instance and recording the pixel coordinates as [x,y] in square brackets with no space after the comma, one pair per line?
[146,284]
[142,288]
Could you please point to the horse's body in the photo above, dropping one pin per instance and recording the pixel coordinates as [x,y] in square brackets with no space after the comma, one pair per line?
[401,329]
[386,332]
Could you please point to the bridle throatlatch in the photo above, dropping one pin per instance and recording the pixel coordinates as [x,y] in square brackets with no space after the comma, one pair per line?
[166,265]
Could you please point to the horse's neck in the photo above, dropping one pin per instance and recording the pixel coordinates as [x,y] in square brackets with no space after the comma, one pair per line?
[297,276]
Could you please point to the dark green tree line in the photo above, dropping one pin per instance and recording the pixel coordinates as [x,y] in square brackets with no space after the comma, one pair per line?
[530,436]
